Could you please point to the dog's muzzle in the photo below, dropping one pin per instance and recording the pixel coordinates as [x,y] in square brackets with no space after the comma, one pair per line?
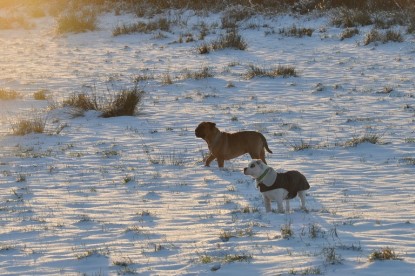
[198,134]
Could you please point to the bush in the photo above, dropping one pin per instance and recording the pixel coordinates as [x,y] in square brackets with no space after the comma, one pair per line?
[124,104]
[82,101]
[26,126]
[231,40]
[348,18]
[76,22]
[9,94]
[348,33]
[383,254]
[375,36]
[40,95]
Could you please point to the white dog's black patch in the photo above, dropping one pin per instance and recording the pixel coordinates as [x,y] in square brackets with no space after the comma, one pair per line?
[292,181]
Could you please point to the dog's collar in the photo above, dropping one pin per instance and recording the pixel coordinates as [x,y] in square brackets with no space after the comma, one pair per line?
[259,179]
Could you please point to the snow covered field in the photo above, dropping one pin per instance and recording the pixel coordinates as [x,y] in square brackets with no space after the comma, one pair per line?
[130,195]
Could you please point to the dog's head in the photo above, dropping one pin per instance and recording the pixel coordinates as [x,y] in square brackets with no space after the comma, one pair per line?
[255,168]
[204,128]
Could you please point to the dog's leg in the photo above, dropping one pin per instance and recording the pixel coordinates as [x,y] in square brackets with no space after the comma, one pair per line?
[287,205]
[301,195]
[267,203]
[209,159]
[221,162]
[281,194]
[262,156]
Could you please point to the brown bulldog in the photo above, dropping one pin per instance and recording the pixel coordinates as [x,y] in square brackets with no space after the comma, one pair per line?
[225,146]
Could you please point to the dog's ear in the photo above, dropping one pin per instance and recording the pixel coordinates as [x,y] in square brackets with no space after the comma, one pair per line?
[259,163]
[211,125]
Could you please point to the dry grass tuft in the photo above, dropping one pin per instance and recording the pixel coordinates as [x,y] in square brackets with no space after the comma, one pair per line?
[280,71]
[383,254]
[9,94]
[77,22]
[124,103]
[27,126]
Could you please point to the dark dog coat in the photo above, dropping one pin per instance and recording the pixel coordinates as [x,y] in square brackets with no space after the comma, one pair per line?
[292,181]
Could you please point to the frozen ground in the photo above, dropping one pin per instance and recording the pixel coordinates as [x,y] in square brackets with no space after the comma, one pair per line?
[130,195]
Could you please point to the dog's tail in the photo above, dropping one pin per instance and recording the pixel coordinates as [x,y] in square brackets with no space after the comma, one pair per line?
[265,143]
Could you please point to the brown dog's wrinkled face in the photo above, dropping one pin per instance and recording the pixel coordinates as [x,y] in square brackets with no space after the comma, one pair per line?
[255,168]
[203,129]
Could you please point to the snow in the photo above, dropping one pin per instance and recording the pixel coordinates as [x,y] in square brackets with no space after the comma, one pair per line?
[130,195]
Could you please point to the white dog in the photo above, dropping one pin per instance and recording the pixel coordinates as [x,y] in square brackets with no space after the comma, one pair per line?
[276,186]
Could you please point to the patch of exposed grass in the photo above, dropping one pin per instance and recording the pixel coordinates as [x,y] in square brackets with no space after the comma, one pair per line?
[286,231]
[408,160]
[302,145]
[383,254]
[348,33]
[296,32]
[231,40]
[40,95]
[366,138]
[206,259]
[161,24]
[230,258]
[280,71]
[9,94]
[204,73]
[376,36]
[331,256]
[306,271]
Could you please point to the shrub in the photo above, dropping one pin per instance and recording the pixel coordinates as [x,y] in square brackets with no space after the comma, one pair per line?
[375,36]
[40,95]
[203,48]
[348,18]
[9,94]
[82,101]
[26,126]
[233,15]
[348,33]
[383,254]
[124,104]
[231,40]
[76,22]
